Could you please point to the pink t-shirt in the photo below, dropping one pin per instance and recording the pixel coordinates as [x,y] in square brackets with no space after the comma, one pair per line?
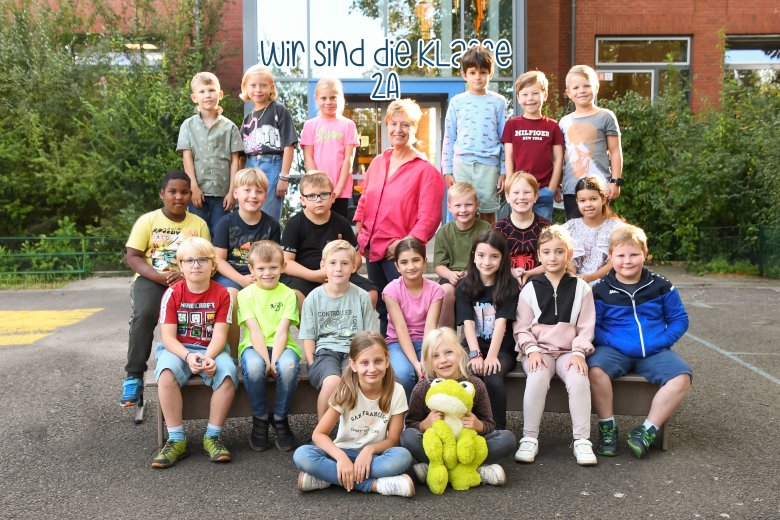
[329,138]
[414,308]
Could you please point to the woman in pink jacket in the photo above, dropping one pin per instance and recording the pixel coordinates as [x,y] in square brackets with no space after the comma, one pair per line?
[402,198]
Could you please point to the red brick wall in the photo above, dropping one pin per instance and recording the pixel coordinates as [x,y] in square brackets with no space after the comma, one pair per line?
[231,65]
[549,37]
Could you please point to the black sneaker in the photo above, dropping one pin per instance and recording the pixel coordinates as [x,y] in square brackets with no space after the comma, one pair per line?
[258,438]
[640,440]
[608,436]
[285,440]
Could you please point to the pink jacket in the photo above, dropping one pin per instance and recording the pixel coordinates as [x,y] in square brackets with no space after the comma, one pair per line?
[408,203]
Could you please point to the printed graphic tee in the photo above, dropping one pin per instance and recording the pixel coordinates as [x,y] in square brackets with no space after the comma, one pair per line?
[195,314]
[366,423]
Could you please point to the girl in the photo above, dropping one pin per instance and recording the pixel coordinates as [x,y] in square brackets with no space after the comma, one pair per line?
[329,141]
[269,135]
[413,306]
[554,328]
[590,234]
[486,301]
[446,359]
[368,406]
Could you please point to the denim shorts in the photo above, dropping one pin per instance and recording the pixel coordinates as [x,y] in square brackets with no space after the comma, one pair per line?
[167,360]
[327,363]
[658,368]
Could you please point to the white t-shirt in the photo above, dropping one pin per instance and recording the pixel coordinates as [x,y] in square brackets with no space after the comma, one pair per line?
[366,423]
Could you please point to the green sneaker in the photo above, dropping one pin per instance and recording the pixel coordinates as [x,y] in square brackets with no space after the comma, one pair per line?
[215,449]
[608,437]
[171,453]
[640,441]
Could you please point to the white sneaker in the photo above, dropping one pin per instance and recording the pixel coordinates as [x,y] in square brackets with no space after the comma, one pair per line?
[529,448]
[421,471]
[400,486]
[308,482]
[583,450]
[492,474]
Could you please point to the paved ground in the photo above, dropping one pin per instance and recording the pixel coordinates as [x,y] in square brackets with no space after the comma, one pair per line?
[70,452]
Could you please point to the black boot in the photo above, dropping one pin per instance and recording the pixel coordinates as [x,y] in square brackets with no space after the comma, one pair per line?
[285,440]
[258,439]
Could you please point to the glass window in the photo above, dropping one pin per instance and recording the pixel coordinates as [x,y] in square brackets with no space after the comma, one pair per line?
[753,60]
[654,50]
[615,84]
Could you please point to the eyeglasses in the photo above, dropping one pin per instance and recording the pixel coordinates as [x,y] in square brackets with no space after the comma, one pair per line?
[311,197]
[189,262]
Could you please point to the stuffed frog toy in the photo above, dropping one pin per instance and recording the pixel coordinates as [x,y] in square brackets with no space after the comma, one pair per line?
[454,452]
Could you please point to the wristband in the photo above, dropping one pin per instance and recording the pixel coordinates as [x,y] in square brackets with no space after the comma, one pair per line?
[474,354]
[188,355]
[617,181]
[284,178]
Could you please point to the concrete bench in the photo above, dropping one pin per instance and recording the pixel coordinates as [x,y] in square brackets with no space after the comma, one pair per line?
[633,395]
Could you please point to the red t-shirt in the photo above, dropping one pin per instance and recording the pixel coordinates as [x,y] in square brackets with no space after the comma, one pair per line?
[532,143]
[195,314]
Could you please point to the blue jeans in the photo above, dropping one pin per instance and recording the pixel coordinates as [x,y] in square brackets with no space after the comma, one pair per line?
[272,168]
[314,461]
[544,203]
[381,273]
[404,371]
[253,366]
[211,211]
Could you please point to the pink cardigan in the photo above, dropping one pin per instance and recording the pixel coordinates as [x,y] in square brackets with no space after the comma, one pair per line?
[408,203]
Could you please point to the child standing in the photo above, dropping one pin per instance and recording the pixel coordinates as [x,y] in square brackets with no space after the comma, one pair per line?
[269,135]
[446,359]
[368,406]
[267,309]
[553,331]
[194,318]
[522,226]
[590,234]
[329,141]
[453,244]
[151,253]
[472,150]
[534,143]
[331,314]
[592,138]
[639,317]
[413,306]
[210,144]
[486,303]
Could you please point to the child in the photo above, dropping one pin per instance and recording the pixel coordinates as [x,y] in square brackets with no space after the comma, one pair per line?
[592,138]
[553,332]
[590,234]
[453,244]
[151,252]
[472,150]
[306,234]
[522,226]
[210,145]
[269,135]
[486,303]
[413,306]
[266,309]
[534,143]
[369,407]
[329,141]
[194,318]
[639,317]
[235,234]
[444,358]
[331,314]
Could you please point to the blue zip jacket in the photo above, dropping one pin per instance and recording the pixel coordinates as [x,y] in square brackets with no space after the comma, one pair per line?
[639,323]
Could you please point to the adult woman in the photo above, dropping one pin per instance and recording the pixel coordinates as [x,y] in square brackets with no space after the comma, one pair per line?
[402,197]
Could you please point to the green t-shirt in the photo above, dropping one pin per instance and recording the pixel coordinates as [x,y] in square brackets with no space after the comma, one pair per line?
[268,308]
[452,246]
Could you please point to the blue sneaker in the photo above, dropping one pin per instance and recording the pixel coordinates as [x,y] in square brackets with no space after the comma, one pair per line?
[132,389]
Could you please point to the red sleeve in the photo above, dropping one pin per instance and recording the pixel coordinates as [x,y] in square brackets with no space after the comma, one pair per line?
[169,304]
[224,307]
[431,189]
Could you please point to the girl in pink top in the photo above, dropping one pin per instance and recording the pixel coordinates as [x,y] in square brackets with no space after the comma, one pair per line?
[329,141]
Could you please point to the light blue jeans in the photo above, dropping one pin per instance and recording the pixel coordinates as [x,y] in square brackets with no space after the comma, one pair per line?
[544,203]
[314,461]
[272,168]
[253,366]
[404,371]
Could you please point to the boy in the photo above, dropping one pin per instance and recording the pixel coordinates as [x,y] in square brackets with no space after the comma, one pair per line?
[266,309]
[210,144]
[194,318]
[331,314]
[533,143]
[472,150]
[306,234]
[235,234]
[639,317]
[453,244]
[592,138]
[151,252]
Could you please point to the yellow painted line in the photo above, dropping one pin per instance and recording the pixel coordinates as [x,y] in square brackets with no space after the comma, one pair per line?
[25,327]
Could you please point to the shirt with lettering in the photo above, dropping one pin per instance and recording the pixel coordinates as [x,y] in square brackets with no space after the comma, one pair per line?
[195,314]
[331,322]
[532,143]
[366,423]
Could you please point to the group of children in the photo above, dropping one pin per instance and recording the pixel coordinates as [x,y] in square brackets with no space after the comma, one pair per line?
[520,288]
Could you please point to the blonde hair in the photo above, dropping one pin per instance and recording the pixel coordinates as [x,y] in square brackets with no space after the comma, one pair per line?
[532,77]
[315,178]
[335,246]
[265,251]
[516,177]
[331,84]
[204,78]
[435,339]
[556,232]
[346,394]
[585,71]
[628,234]
[258,70]
[407,107]
[197,247]
[251,177]
[462,189]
